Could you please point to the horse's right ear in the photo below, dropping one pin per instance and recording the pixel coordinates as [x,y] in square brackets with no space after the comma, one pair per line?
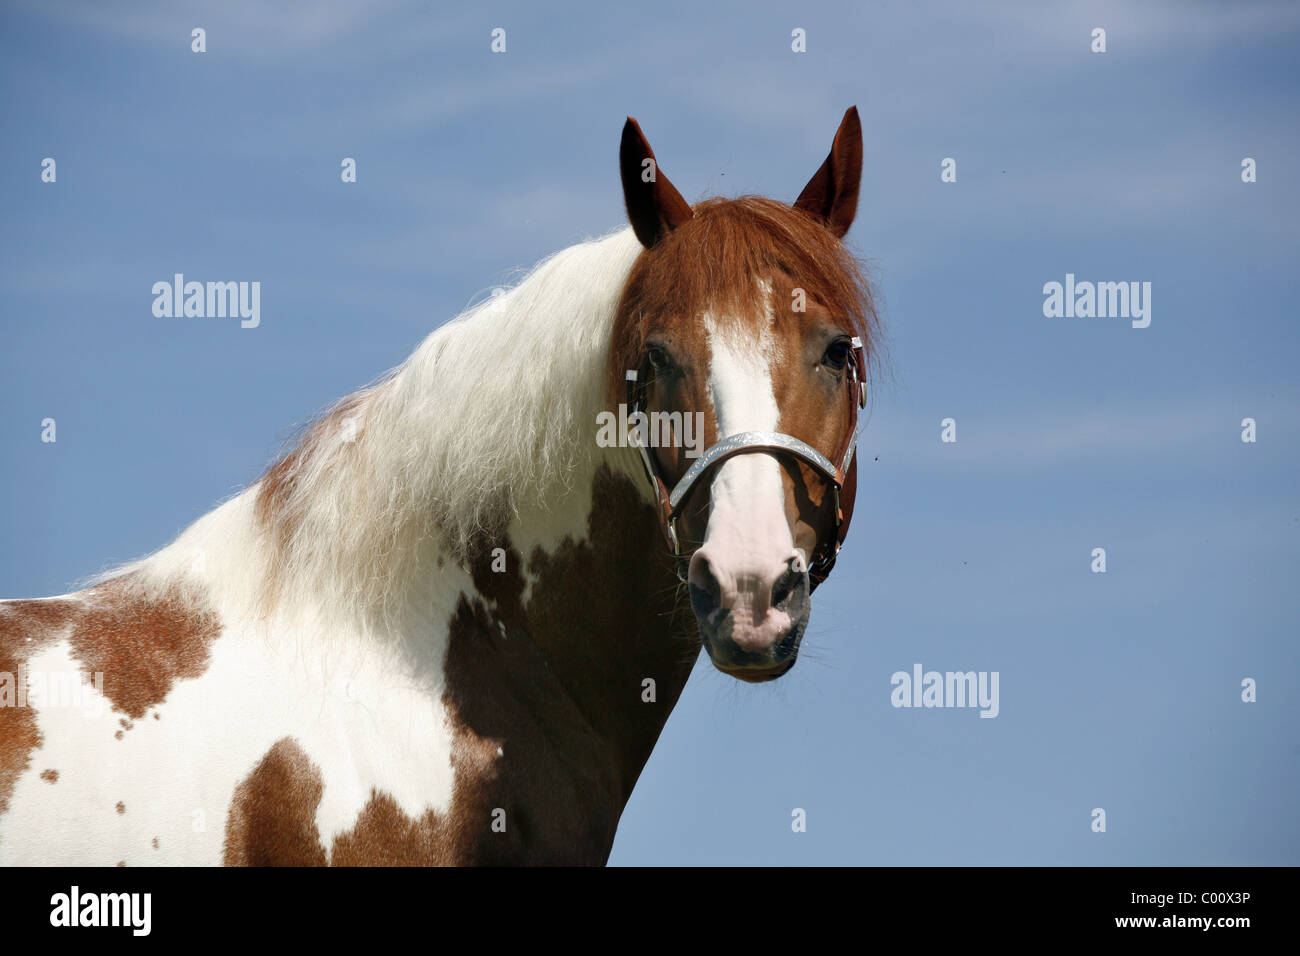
[654,206]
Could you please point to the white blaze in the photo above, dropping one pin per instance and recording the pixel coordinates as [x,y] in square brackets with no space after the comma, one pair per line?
[748,534]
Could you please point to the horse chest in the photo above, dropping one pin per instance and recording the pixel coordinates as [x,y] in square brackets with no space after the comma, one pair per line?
[449,761]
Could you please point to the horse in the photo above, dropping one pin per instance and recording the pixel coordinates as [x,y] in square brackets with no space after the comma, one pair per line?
[447,625]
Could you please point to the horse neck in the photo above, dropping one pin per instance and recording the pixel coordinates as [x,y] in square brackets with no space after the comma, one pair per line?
[385,533]
[590,584]
[492,416]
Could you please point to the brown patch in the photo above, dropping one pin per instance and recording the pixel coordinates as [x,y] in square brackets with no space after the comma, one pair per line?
[599,640]
[272,820]
[121,862]
[25,627]
[142,646]
[50,776]
[155,843]
[121,808]
[118,735]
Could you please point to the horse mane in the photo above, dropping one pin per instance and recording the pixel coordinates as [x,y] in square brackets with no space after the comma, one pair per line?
[493,411]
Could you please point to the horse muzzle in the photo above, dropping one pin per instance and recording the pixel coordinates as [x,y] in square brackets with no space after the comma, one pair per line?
[751,622]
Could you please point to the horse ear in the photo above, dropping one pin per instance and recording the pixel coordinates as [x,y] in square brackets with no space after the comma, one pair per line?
[654,206]
[831,196]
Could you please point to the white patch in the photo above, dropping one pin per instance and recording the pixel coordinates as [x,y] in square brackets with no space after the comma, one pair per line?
[747,529]
[176,775]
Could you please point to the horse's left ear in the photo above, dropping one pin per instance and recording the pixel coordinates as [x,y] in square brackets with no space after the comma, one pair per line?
[654,206]
[831,196]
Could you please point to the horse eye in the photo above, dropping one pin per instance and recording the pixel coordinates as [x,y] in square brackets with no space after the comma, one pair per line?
[837,355]
[658,358]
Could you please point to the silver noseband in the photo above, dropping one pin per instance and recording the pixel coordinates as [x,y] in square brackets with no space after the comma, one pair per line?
[755,441]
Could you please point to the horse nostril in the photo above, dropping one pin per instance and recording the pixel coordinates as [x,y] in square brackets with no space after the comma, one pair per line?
[706,592]
[784,585]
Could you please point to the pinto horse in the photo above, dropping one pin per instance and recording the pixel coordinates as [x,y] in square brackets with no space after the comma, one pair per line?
[447,627]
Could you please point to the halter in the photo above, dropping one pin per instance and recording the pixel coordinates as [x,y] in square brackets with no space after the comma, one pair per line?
[744,443]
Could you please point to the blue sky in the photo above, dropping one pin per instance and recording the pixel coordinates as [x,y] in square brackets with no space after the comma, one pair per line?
[1118,690]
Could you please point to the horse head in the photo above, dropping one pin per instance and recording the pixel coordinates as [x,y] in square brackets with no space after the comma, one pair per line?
[750,317]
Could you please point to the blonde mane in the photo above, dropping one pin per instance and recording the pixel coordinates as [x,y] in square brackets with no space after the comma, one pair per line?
[493,413]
